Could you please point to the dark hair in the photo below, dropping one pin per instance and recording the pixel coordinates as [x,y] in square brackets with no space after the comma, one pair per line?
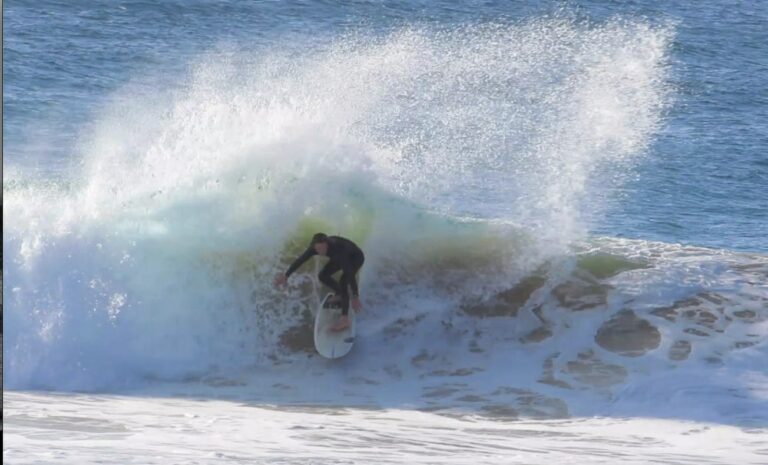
[319,238]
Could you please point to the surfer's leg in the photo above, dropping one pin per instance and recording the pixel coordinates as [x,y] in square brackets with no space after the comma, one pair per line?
[344,285]
[325,276]
[341,292]
[350,276]
[347,277]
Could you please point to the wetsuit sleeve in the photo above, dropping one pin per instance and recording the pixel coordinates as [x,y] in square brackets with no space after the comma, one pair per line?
[300,261]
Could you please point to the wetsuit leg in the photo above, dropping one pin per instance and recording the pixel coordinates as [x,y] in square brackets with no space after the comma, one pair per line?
[349,273]
[325,276]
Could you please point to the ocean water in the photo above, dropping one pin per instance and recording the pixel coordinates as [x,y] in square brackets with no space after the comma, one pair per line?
[562,207]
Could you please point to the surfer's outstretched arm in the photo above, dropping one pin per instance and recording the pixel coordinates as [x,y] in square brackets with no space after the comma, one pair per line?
[309,253]
[281,279]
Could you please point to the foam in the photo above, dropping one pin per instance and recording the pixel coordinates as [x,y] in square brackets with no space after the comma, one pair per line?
[467,162]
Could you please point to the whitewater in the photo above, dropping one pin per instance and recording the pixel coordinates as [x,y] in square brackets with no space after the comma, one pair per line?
[141,324]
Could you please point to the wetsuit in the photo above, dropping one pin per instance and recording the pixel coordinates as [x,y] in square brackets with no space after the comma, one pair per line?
[343,255]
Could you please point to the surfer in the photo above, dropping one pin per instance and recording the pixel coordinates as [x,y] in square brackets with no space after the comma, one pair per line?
[343,255]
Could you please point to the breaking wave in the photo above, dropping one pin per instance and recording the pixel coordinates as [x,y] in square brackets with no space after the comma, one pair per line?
[467,162]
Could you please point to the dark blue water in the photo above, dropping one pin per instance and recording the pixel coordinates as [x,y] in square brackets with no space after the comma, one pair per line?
[701,181]
[706,178]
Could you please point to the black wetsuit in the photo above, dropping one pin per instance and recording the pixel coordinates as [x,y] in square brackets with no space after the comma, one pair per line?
[343,255]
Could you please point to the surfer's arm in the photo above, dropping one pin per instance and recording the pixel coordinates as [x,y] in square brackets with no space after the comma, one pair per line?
[300,261]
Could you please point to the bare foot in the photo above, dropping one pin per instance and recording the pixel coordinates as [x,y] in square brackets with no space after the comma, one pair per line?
[341,325]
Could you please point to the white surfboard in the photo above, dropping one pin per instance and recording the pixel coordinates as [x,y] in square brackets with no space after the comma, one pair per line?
[333,344]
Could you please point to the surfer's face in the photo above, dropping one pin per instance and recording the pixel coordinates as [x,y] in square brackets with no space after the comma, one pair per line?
[321,248]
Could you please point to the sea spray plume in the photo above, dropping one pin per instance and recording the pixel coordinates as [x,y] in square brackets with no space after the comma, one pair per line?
[155,261]
[518,119]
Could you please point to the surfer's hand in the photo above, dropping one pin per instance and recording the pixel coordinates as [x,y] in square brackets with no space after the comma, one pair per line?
[280,280]
[356,305]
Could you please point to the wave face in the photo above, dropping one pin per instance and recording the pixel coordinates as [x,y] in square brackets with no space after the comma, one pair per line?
[466,161]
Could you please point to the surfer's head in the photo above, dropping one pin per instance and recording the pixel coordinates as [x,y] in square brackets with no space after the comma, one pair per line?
[320,243]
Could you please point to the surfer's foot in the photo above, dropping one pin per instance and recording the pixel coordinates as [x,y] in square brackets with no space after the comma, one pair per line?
[342,324]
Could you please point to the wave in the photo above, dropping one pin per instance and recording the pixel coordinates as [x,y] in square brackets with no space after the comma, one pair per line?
[466,161]
[472,326]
